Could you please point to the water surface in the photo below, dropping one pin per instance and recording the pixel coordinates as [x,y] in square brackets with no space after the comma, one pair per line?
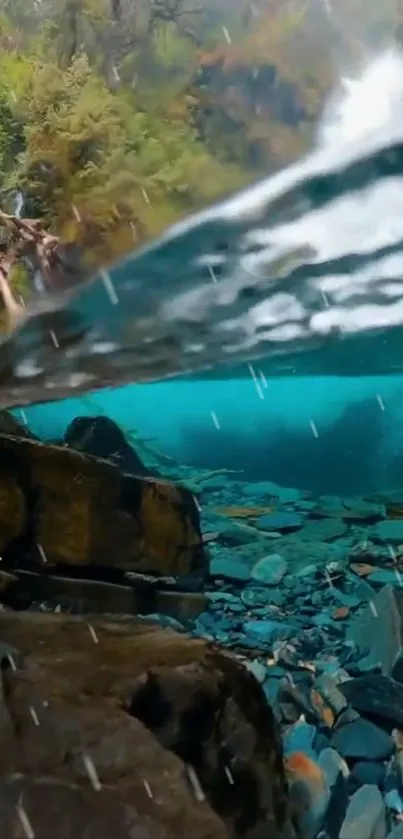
[302,271]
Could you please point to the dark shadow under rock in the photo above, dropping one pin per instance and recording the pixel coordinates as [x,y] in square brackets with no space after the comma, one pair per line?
[213,715]
[81,596]
[197,755]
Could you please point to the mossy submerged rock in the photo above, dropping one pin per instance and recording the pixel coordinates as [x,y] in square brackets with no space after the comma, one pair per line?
[176,737]
[102,437]
[83,511]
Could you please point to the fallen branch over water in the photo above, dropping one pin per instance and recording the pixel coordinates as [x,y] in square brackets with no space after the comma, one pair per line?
[28,243]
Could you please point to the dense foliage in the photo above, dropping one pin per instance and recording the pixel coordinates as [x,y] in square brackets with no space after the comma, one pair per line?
[119,116]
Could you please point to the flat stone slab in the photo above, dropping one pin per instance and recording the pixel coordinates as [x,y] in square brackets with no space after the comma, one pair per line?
[87,512]
[389,530]
[378,632]
[376,695]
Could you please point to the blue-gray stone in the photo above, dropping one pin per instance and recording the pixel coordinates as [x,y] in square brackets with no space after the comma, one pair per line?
[349,600]
[231,569]
[272,690]
[280,521]
[390,530]
[266,489]
[362,589]
[366,816]
[378,632]
[254,596]
[393,801]
[397,832]
[299,738]
[257,669]
[362,740]
[215,482]
[385,577]
[328,689]
[222,597]
[368,772]
[267,630]
[333,765]
[269,570]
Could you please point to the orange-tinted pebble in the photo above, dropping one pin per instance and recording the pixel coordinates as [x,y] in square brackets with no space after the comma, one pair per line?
[341,613]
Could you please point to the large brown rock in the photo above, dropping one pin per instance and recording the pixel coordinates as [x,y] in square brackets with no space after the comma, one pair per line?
[13,509]
[119,728]
[83,511]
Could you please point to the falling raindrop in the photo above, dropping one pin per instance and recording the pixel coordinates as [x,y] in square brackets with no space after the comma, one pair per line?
[314,429]
[110,289]
[195,783]
[25,822]
[93,634]
[92,772]
[215,420]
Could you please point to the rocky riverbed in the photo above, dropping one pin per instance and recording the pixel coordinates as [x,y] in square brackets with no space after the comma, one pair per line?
[198,657]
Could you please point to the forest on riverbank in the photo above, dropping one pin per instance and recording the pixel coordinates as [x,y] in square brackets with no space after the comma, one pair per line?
[117,117]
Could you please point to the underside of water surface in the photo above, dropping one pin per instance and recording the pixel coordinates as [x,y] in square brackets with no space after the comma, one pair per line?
[201,419]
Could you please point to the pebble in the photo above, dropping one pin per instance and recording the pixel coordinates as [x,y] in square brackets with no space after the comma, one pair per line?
[309,792]
[385,577]
[397,832]
[389,530]
[362,740]
[393,801]
[232,570]
[357,508]
[327,687]
[253,596]
[333,766]
[366,816]
[270,570]
[299,738]
[341,613]
[222,597]
[306,612]
[376,695]
[258,669]
[267,631]
[367,772]
[266,490]
[283,522]
[378,631]
[320,530]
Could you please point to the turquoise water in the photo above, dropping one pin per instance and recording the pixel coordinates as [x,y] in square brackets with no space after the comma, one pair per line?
[333,435]
[264,334]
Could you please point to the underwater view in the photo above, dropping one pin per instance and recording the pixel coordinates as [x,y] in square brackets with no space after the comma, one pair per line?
[201,419]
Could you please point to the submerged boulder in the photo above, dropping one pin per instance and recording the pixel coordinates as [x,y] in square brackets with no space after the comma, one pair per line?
[122,728]
[83,511]
[102,437]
